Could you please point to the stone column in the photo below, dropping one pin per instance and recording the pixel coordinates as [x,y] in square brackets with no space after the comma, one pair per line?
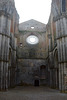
[61,35]
[56,79]
[4,51]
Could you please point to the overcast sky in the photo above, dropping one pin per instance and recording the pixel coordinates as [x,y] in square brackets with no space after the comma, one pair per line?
[33,9]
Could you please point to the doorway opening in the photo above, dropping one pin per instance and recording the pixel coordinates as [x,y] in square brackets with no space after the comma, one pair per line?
[36,83]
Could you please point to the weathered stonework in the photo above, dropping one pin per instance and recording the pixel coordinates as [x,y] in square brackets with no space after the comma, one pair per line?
[57,30]
[32,57]
[42,64]
[8,13]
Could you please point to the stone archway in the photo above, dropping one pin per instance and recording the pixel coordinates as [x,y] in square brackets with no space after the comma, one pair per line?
[43,72]
[43,75]
[36,82]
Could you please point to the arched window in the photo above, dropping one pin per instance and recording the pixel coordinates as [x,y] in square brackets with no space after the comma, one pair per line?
[63,5]
[43,72]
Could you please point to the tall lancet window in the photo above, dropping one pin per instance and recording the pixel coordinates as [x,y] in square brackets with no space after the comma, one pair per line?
[63,5]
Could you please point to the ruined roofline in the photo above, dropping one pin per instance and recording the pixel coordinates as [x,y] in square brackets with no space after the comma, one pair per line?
[32,20]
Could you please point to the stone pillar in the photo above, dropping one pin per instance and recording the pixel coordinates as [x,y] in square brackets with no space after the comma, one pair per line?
[4,51]
[61,35]
[13,61]
[50,78]
[56,79]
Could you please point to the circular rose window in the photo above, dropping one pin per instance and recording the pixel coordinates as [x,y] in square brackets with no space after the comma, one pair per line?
[32,39]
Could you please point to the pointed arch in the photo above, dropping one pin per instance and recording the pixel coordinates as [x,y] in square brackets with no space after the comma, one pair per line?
[63,5]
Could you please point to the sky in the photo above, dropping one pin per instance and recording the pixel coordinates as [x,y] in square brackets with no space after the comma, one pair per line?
[33,9]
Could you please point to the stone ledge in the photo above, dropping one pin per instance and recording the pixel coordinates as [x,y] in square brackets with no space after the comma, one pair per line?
[3,34]
[60,17]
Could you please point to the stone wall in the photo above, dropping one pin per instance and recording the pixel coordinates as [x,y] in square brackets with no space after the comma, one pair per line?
[31,57]
[8,18]
[23,63]
[57,34]
[29,69]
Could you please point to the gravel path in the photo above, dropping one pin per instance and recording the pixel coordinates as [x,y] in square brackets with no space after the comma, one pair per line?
[32,93]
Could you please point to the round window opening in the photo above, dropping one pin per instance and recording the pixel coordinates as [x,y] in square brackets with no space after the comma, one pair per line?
[32,39]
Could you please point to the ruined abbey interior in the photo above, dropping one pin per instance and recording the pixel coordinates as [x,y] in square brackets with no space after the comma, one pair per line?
[33,53]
